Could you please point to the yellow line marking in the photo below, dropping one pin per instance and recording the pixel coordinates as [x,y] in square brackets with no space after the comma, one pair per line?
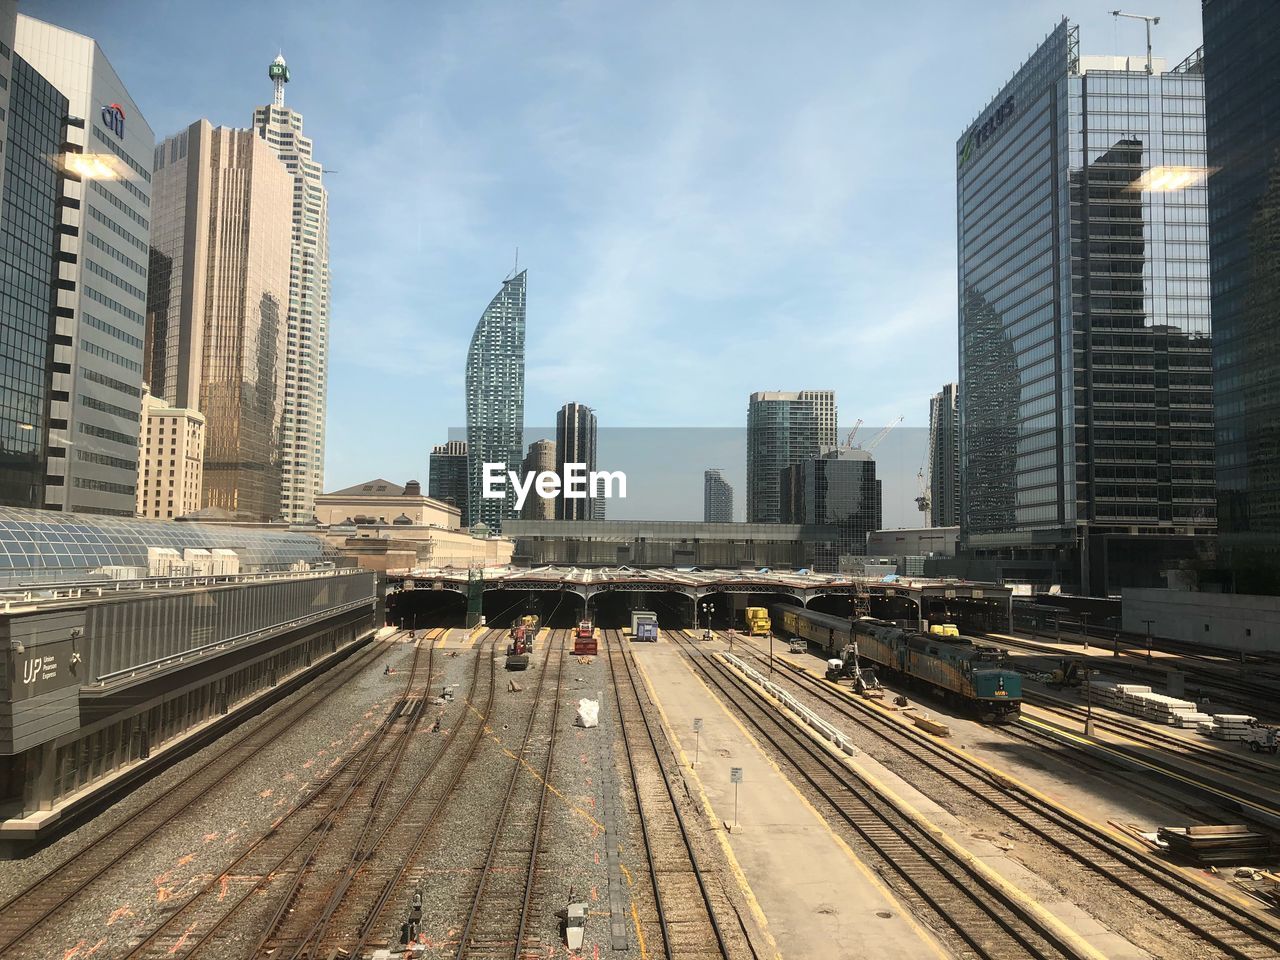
[626,873]
[635,918]
[1043,916]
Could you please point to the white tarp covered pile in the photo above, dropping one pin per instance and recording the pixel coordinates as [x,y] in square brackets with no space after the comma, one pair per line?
[588,713]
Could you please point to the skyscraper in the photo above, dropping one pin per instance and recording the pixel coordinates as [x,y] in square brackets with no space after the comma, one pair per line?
[717,497]
[216,311]
[495,399]
[31,191]
[170,460]
[783,429]
[576,443]
[96,386]
[541,457]
[838,490]
[306,356]
[1086,438]
[447,478]
[1241,76]
[944,458]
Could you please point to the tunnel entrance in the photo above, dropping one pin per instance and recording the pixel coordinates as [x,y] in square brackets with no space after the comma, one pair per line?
[424,609]
[611,609]
[730,608]
[900,609]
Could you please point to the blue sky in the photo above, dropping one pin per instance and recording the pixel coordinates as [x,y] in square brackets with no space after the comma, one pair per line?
[711,198]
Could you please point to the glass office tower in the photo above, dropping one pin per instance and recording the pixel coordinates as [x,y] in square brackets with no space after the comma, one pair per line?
[838,491]
[495,400]
[1086,417]
[29,220]
[447,480]
[783,428]
[1241,75]
[575,443]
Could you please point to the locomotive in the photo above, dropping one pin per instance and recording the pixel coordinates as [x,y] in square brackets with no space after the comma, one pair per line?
[972,676]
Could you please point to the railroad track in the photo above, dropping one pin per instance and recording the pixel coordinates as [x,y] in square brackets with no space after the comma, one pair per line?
[1145,733]
[201,920]
[982,918]
[371,874]
[494,927]
[1205,916]
[684,907]
[47,896]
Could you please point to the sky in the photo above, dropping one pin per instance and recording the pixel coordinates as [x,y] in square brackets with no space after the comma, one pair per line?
[711,198]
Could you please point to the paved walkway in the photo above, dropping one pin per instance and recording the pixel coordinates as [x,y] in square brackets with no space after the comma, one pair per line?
[817,899]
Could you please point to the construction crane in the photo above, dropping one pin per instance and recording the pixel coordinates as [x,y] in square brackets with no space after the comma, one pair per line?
[1150,21]
[875,441]
[848,441]
[922,483]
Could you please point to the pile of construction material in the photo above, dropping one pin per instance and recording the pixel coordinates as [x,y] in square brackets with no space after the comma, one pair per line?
[1226,726]
[1139,700]
[1220,845]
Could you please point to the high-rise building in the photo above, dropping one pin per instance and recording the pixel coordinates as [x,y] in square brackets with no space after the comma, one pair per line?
[447,477]
[306,356]
[96,388]
[31,195]
[717,497]
[783,429]
[495,400]
[8,31]
[1086,441]
[838,490]
[170,460]
[217,305]
[540,458]
[576,443]
[944,458]
[1241,75]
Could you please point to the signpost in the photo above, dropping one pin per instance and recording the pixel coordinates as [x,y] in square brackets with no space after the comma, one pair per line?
[697,738]
[735,777]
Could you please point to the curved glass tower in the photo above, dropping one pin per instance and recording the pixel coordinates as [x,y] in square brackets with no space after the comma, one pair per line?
[495,399]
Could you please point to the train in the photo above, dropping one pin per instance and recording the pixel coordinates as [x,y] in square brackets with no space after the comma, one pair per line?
[974,677]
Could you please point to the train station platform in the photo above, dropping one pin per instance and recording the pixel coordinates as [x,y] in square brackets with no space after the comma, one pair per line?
[810,892]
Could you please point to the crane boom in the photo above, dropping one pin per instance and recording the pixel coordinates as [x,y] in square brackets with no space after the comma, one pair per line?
[875,441]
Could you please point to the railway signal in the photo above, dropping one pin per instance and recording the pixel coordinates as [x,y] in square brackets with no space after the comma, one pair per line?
[697,738]
[735,777]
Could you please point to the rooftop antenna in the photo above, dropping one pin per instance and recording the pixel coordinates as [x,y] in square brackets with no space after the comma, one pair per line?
[279,74]
[1150,21]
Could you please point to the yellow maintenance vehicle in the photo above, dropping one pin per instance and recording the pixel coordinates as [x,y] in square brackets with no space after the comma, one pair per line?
[758,623]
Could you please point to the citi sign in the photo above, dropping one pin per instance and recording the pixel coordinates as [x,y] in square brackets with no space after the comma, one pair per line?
[983,132]
[113,119]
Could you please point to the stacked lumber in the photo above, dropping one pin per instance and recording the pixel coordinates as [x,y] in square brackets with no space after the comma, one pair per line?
[1226,726]
[1217,844]
[1139,700]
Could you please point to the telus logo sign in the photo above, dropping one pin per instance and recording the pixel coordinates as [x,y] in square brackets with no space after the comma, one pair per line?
[113,118]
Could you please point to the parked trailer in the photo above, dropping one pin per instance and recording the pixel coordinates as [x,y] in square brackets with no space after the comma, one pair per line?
[973,676]
[638,616]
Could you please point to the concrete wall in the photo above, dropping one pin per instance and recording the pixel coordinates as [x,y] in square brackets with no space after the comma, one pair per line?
[1237,621]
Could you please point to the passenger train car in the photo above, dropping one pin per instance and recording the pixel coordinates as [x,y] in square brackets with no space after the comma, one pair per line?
[971,675]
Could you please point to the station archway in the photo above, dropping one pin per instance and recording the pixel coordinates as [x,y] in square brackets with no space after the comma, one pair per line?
[611,609]
[833,604]
[729,607]
[424,609]
[553,608]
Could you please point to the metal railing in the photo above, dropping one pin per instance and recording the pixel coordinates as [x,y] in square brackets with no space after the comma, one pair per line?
[229,643]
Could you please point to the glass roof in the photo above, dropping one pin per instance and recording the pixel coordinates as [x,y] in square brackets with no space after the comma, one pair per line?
[43,545]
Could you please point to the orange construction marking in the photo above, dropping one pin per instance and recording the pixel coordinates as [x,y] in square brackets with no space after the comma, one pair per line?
[184,860]
[119,913]
[95,948]
[266,793]
[222,887]
[74,950]
[210,837]
[182,940]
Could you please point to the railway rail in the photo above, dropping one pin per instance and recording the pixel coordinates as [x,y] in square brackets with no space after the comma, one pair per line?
[494,927]
[45,897]
[1207,917]
[202,919]
[376,866]
[684,905]
[945,889]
